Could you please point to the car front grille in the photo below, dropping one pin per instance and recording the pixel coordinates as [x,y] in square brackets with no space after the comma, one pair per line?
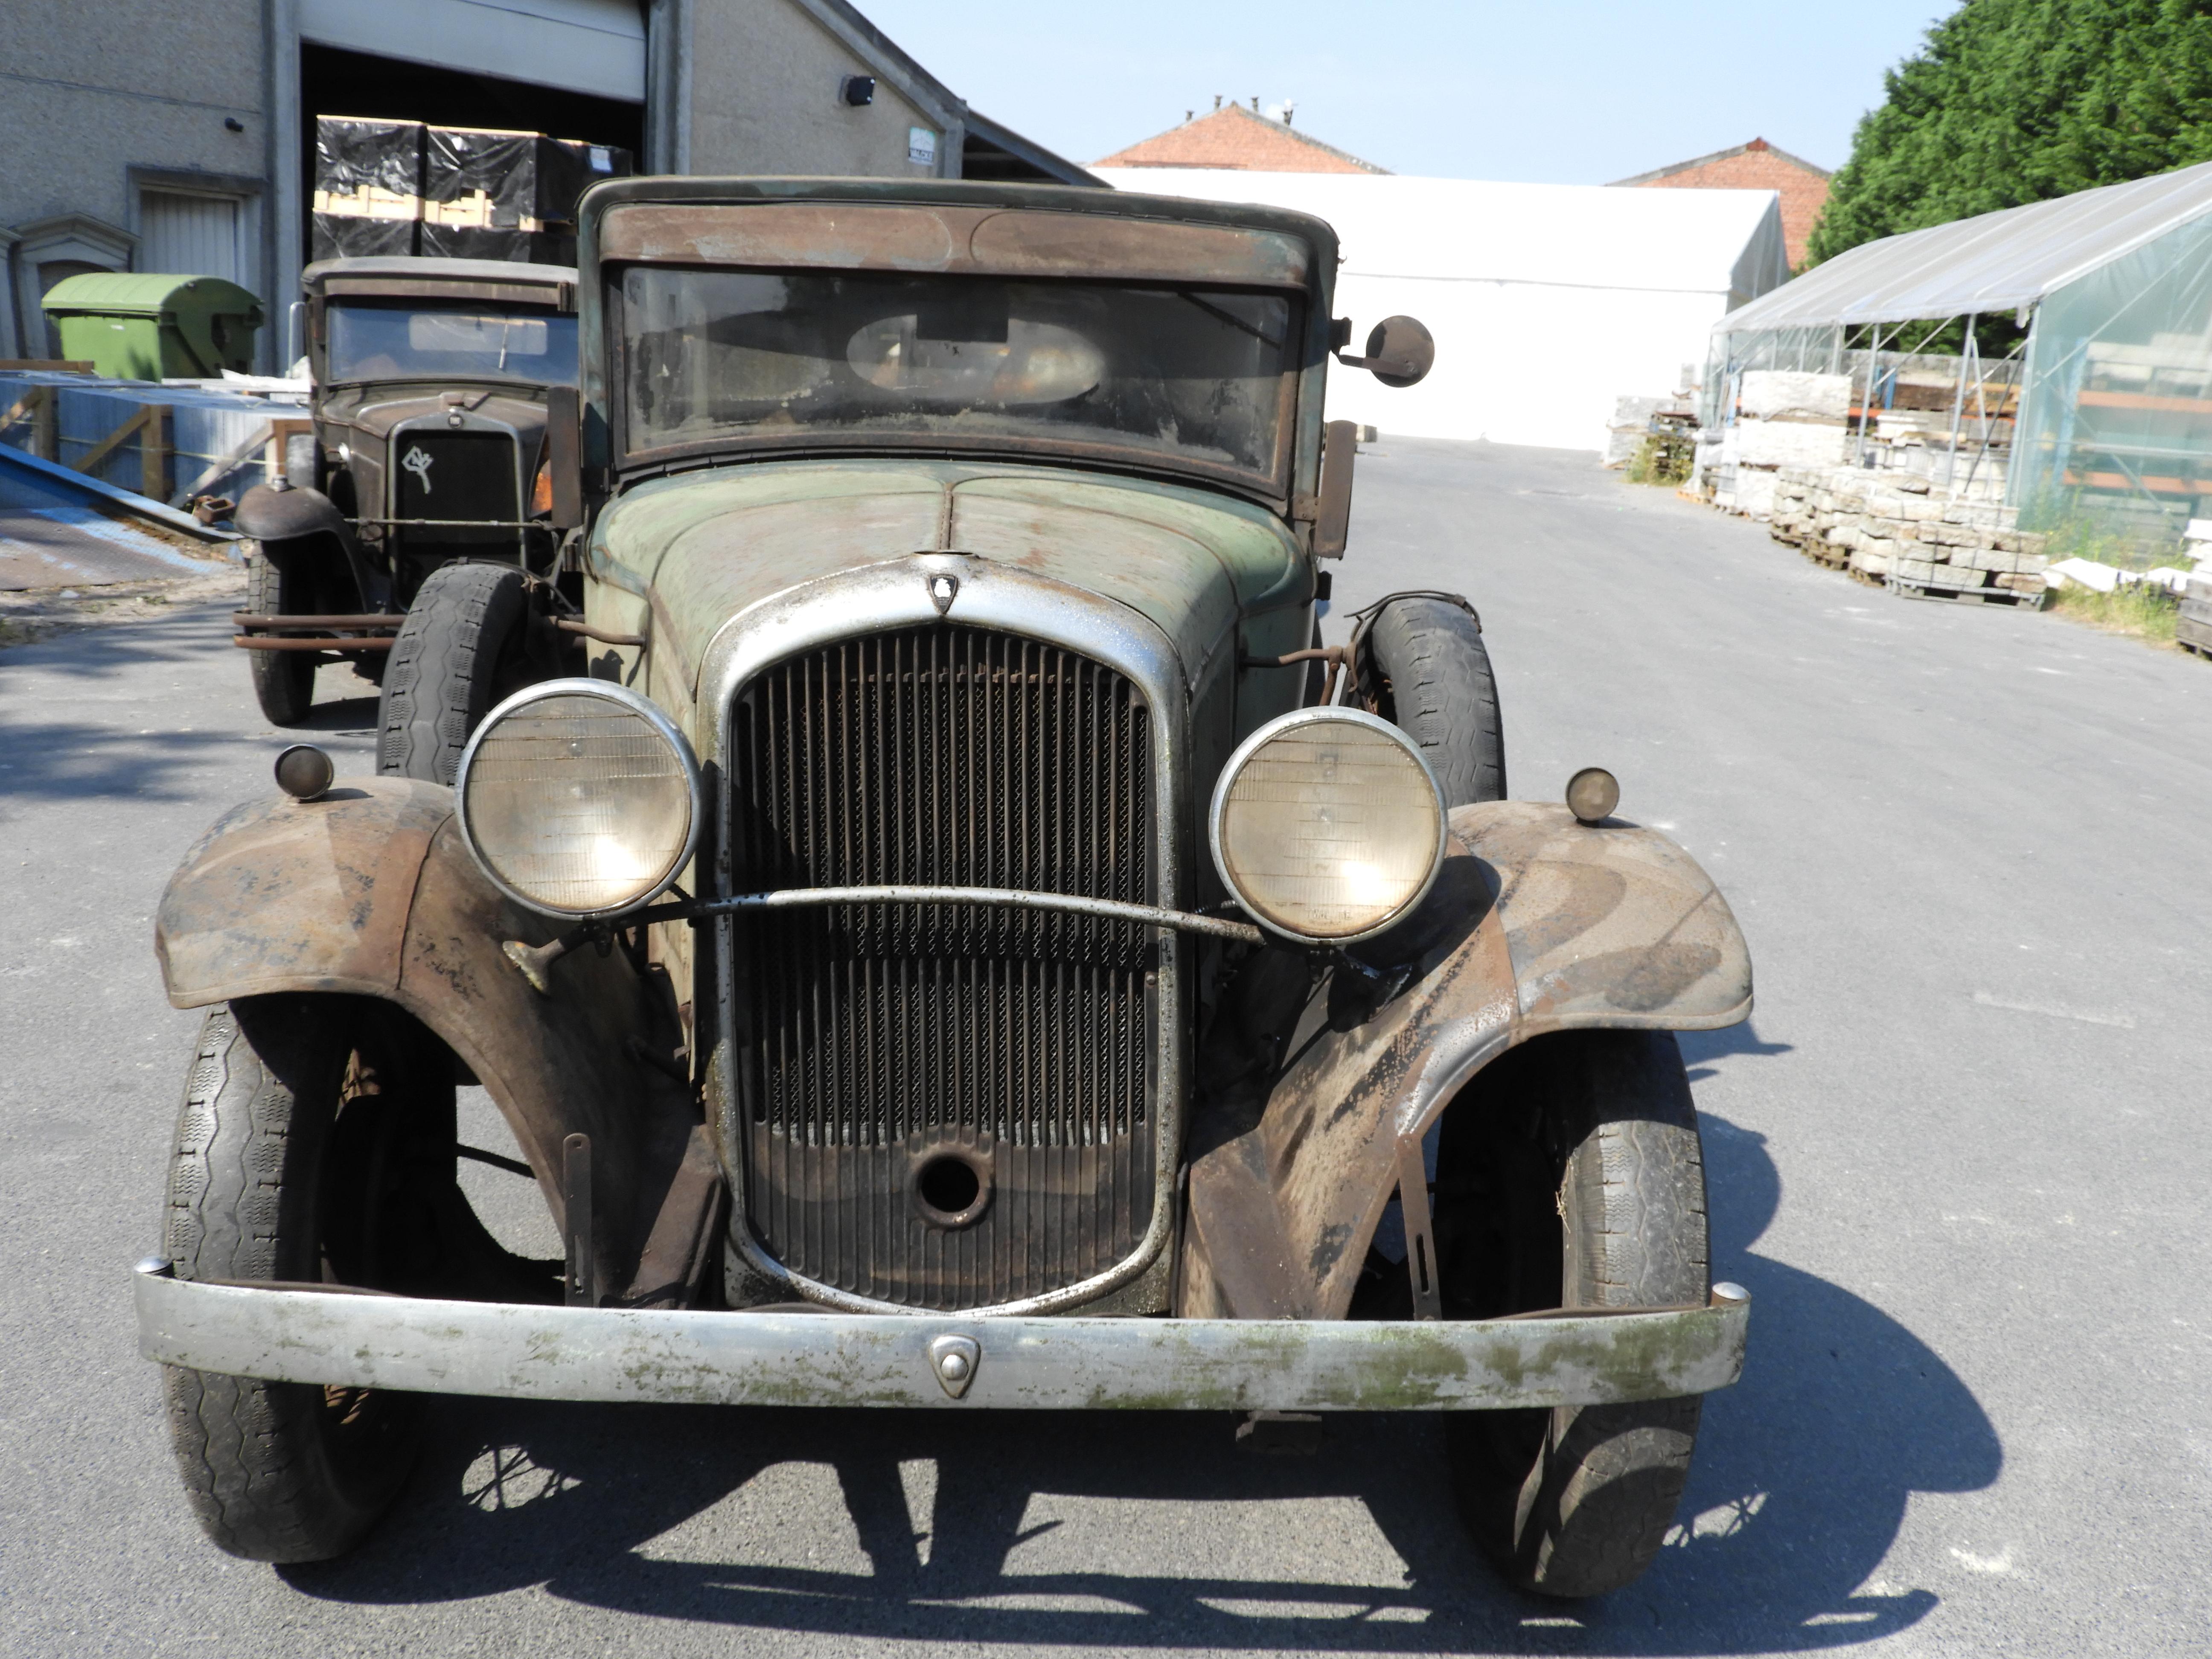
[453,475]
[876,1040]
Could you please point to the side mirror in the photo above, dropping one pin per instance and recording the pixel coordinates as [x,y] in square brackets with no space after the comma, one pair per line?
[1401,351]
[564,459]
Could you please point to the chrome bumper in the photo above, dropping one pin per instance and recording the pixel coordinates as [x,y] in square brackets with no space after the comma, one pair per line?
[294,1335]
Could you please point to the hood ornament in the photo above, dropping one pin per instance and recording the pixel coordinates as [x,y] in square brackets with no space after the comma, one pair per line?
[941,591]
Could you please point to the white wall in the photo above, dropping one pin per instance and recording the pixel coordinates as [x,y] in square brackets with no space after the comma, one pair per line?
[1547,301]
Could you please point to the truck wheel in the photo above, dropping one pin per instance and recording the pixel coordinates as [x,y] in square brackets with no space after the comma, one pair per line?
[463,646]
[284,681]
[1571,1174]
[302,1154]
[1437,688]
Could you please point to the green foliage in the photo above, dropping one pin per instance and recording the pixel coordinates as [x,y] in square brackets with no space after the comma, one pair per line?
[2146,613]
[2020,101]
[1663,458]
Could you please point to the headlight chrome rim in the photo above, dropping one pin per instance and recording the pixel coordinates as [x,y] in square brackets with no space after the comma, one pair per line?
[1276,728]
[631,701]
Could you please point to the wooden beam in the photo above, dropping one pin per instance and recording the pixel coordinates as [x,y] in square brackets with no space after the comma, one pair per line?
[112,441]
[223,464]
[26,404]
[153,454]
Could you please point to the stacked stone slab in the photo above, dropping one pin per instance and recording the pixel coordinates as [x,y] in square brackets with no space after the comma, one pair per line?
[1908,531]
[2192,629]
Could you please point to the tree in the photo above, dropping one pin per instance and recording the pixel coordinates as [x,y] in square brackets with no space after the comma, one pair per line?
[2019,101]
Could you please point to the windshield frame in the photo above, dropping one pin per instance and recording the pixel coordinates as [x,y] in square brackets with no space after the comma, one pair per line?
[1273,483]
[548,311]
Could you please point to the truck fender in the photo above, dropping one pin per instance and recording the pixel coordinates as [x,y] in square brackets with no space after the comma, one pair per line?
[368,891]
[298,523]
[1315,1088]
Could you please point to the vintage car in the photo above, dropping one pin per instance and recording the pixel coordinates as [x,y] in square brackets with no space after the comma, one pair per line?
[964,943]
[433,380]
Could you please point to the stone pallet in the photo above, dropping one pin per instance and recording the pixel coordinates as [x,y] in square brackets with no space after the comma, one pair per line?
[2192,629]
[1908,534]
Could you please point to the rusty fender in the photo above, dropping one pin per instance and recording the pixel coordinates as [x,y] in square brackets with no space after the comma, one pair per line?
[1539,924]
[368,891]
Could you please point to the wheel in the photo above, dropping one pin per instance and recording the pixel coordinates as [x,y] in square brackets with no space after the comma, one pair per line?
[284,681]
[465,646]
[1569,1174]
[1436,686]
[308,1149]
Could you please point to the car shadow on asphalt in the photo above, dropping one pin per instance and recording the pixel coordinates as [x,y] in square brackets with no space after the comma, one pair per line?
[1804,1472]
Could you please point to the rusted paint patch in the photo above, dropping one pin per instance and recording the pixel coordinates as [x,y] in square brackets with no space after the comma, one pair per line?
[284,895]
[858,236]
[1612,926]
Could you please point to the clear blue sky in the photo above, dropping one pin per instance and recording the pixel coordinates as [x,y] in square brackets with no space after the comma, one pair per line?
[1547,91]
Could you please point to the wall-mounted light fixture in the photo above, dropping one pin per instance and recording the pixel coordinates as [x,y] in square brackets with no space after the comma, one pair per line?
[857,90]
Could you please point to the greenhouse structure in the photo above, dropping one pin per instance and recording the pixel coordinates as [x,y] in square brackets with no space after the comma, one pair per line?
[2100,409]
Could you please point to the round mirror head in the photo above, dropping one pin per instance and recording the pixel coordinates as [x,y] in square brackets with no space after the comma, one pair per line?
[1401,351]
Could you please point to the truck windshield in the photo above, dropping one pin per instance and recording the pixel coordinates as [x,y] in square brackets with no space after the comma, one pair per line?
[410,341]
[1196,374]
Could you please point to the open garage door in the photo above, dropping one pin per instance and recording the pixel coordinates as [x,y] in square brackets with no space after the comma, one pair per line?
[594,47]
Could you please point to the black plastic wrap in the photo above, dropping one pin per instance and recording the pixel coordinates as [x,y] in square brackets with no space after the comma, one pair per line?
[486,179]
[344,236]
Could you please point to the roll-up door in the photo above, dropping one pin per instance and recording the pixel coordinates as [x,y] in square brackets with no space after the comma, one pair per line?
[189,234]
[593,46]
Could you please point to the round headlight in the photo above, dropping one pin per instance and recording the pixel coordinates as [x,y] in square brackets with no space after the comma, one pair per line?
[1327,824]
[579,797]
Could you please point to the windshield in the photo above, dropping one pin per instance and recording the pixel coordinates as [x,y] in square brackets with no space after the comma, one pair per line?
[1198,375]
[410,339]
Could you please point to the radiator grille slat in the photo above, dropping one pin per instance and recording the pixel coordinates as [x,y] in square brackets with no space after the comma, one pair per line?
[872,1034]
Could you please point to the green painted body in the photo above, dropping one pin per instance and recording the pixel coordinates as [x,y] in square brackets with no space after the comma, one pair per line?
[685,556]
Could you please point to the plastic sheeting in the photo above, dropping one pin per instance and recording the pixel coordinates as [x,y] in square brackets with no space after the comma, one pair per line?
[1548,302]
[2116,413]
[1996,262]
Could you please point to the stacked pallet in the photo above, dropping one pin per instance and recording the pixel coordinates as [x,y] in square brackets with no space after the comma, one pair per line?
[1909,533]
[2192,629]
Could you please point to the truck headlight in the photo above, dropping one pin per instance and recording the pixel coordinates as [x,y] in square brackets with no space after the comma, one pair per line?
[579,797]
[1328,825]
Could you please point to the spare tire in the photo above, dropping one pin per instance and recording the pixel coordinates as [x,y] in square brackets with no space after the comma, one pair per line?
[465,646]
[1428,673]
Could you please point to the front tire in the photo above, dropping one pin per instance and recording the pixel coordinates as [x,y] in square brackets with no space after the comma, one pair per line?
[307,1150]
[284,681]
[1571,1174]
[465,646]
[1430,677]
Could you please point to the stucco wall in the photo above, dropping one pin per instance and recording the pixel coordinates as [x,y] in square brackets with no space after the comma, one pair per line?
[92,90]
[765,75]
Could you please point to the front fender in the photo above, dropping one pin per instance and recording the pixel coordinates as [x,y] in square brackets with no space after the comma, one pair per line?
[370,892]
[298,522]
[1560,927]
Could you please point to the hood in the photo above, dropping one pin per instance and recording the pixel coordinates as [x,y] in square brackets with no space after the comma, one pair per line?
[373,411]
[704,547]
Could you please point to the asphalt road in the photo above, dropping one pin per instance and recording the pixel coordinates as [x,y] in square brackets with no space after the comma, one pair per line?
[1958,1158]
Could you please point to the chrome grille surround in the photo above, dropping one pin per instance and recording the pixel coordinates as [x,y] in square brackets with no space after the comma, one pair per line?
[893,596]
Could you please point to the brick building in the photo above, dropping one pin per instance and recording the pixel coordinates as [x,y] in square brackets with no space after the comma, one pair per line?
[1234,138]
[1755,165]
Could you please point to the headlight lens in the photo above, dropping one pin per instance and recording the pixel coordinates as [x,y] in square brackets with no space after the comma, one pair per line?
[1327,824]
[579,797]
